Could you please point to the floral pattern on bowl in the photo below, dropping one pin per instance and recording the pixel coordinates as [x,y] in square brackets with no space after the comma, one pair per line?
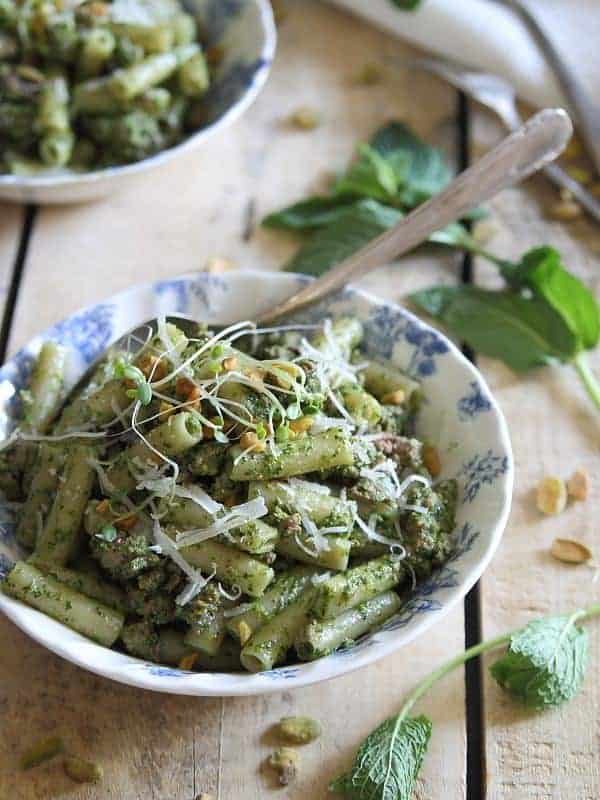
[460,415]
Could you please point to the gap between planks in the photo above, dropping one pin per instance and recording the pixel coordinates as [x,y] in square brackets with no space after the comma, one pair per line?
[475,767]
[18,267]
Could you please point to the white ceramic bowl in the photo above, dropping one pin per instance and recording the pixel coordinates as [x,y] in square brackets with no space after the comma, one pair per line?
[459,414]
[246,32]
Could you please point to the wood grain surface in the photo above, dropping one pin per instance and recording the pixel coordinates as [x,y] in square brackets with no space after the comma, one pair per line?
[159,747]
[554,430]
[156,747]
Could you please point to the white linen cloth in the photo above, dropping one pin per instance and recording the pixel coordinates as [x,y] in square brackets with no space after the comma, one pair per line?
[488,36]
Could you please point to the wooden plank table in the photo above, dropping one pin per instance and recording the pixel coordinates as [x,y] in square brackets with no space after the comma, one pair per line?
[173,748]
[554,430]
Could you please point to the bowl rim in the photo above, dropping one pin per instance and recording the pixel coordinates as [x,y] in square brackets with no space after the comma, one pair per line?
[172,680]
[235,111]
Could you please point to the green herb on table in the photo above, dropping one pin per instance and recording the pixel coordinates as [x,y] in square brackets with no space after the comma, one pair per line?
[544,314]
[392,174]
[407,5]
[543,666]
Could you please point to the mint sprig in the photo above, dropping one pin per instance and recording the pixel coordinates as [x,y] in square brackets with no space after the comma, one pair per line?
[543,666]
[392,174]
[544,314]
[406,5]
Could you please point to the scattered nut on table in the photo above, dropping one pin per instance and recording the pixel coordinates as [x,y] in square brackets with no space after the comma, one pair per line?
[217,264]
[369,74]
[570,551]
[298,730]
[285,762]
[579,174]
[306,119]
[565,194]
[42,750]
[551,495]
[566,210]
[82,771]
[578,485]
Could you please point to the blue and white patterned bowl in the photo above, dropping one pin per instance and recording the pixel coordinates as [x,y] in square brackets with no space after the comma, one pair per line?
[459,414]
[245,31]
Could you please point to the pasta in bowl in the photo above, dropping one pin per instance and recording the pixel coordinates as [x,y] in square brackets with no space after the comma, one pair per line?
[238,510]
[95,93]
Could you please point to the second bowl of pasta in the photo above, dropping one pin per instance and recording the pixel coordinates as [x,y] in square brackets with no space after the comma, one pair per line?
[94,93]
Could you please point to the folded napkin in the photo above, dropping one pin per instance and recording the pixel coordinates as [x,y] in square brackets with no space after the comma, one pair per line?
[488,36]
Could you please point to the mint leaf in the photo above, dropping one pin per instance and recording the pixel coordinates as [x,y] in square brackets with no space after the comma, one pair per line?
[354,226]
[424,172]
[522,332]
[406,5]
[545,663]
[349,232]
[388,762]
[395,171]
[315,212]
[373,175]
[542,271]
[544,666]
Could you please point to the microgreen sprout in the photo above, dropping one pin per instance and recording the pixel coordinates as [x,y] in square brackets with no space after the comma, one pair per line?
[313,405]
[214,366]
[282,434]
[129,372]
[108,533]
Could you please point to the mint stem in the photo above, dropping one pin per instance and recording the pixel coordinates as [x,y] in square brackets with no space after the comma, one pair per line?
[471,246]
[588,378]
[491,644]
[427,682]
[590,611]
